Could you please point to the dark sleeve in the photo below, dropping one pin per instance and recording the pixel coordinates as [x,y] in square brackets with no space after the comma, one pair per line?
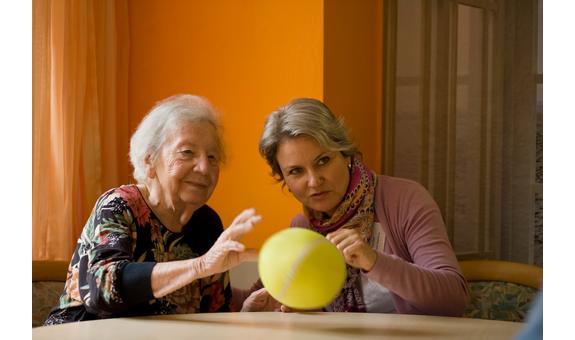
[134,282]
[104,270]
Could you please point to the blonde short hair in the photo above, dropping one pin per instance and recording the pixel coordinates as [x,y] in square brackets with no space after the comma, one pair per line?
[157,125]
[303,117]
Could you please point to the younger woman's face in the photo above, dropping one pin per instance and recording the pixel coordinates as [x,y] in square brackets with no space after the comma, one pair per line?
[318,179]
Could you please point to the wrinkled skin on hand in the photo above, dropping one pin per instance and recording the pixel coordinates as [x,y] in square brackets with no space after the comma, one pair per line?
[261,301]
[228,252]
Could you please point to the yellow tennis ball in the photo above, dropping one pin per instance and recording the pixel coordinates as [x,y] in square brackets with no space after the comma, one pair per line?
[301,268]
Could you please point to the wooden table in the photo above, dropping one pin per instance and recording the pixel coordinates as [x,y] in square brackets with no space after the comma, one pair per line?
[277,326]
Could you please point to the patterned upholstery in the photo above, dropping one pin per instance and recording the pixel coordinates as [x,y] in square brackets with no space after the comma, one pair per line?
[48,280]
[498,300]
[45,296]
[500,290]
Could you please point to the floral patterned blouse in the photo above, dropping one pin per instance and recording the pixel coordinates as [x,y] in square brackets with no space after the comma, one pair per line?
[109,275]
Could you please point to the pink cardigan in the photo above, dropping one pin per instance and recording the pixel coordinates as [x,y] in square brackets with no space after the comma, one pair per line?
[418,264]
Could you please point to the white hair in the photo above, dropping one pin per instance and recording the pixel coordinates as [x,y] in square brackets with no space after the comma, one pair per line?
[157,125]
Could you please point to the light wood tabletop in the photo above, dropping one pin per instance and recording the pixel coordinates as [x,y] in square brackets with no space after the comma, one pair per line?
[277,326]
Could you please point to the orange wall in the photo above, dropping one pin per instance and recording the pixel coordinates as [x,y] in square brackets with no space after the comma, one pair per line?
[248,57]
[353,45]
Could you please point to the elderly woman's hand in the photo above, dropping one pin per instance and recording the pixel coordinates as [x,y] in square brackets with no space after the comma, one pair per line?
[261,301]
[228,252]
[353,248]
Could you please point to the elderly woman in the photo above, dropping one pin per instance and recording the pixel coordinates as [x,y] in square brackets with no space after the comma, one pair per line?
[156,247]
[389,230]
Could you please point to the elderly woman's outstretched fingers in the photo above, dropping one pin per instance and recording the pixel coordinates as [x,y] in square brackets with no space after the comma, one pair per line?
[228,252]
[242,224]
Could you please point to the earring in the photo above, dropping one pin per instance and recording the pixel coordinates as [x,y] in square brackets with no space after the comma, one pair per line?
[349,166]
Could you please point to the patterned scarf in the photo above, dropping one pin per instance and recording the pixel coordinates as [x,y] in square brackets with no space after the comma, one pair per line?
[354,212]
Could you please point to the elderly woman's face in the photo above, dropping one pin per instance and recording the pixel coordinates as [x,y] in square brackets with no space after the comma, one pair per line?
[318,179]
[188,165]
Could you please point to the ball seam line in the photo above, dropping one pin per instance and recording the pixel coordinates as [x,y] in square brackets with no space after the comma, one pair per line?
[303,254]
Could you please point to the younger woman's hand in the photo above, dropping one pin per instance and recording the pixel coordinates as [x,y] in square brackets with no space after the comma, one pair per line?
[353,248]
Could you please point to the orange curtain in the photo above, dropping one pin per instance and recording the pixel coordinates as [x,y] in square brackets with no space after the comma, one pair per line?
[80,125]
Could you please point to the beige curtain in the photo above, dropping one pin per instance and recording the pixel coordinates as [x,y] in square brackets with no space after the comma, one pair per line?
[80,126]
